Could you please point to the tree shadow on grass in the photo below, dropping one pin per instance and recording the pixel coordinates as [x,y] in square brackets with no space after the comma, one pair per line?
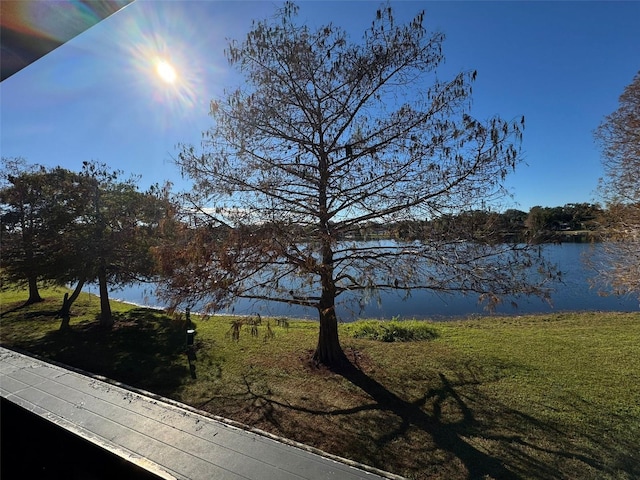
[552,452]
[28,314]
[447,435]
[15,309]
[394,418]
[145,349]
[454,430]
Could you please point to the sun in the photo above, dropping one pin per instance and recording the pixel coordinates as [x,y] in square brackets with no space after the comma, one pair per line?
[166,71]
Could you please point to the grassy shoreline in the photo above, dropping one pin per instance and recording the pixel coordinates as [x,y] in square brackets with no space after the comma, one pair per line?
[533,396]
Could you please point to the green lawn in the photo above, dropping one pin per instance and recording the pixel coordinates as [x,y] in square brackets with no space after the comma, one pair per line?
[545,396]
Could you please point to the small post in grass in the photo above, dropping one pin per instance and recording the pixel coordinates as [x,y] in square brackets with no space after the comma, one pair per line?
[190,330]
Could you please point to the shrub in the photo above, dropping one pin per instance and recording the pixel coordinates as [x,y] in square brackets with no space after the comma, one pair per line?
[391,331]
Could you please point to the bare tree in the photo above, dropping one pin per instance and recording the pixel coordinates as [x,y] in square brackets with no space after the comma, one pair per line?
[618,261]
[325,137]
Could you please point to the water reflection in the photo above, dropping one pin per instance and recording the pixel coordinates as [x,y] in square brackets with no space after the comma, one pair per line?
[574,294]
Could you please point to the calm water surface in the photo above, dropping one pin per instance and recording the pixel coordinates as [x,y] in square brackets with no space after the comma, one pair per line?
[574,294]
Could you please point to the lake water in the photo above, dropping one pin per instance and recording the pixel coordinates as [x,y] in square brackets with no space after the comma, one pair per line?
[574,294]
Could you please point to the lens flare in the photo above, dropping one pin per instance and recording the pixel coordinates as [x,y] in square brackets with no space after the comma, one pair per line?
[166,71]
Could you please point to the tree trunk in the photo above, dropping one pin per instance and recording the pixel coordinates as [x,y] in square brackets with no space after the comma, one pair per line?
[32,277]
[65,310]
[34,294]
[328,352]
[106,319]
[65,313]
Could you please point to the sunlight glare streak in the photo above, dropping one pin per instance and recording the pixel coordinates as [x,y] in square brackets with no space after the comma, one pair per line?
[166,71]
[177,92]
[165,64]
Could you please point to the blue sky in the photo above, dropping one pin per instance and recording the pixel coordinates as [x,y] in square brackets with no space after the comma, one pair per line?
[562,65]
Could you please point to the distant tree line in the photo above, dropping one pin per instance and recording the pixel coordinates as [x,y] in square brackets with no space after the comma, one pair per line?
[573,222]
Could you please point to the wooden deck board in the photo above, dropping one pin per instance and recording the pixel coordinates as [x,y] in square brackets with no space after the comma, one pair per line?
[168,439]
